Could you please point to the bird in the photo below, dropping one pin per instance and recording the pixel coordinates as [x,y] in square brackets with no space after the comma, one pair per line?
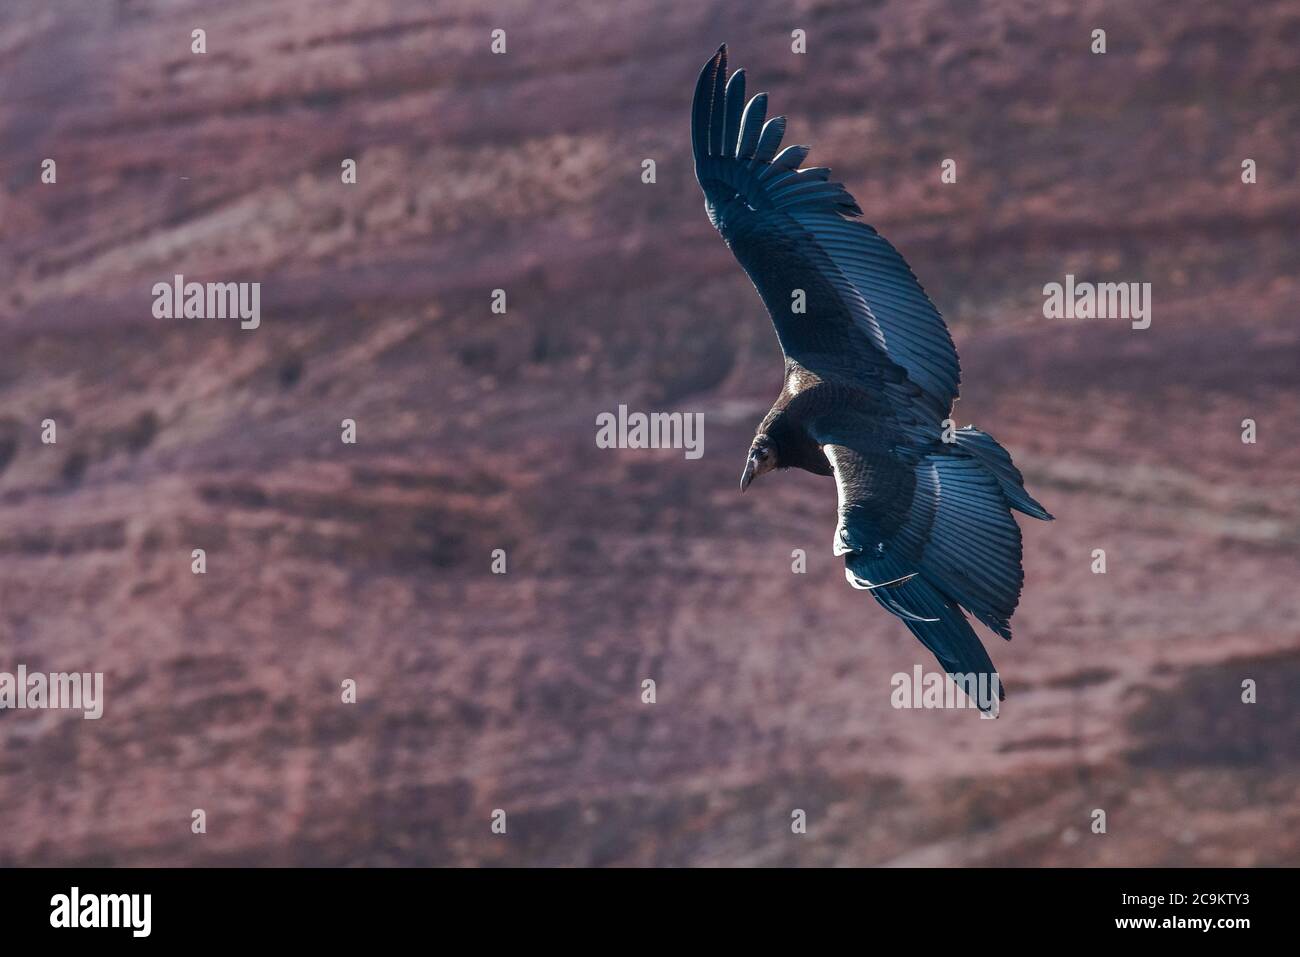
[871,376]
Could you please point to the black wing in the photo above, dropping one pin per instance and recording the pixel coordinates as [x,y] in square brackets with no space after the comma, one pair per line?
[930,533]
[867,319]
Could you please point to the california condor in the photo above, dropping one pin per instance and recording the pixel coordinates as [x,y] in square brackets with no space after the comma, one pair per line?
[870,380]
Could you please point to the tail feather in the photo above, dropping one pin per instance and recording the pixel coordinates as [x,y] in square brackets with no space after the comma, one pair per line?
[997,460]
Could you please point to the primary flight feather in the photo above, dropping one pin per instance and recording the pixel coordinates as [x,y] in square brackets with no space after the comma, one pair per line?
[871,374]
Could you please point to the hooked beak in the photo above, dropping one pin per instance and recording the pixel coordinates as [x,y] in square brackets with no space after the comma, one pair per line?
[748,477]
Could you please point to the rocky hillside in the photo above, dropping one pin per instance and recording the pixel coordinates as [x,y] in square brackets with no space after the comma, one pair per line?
[372,561]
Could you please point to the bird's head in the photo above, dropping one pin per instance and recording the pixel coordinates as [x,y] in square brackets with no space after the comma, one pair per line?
[762,458]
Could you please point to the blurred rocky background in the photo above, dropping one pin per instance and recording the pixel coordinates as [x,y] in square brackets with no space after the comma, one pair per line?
[476,431]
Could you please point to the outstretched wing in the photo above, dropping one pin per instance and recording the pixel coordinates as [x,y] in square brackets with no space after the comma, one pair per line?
[866,319]
[928,530]
[930,535]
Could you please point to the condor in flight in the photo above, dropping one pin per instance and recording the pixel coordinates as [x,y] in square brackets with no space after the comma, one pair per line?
[871,374]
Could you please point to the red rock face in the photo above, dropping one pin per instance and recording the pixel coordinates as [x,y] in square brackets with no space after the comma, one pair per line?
[475,432]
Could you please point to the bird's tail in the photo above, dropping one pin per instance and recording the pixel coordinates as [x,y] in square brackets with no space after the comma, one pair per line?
[986,450]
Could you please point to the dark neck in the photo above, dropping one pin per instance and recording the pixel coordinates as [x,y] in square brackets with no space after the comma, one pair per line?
[794,448]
